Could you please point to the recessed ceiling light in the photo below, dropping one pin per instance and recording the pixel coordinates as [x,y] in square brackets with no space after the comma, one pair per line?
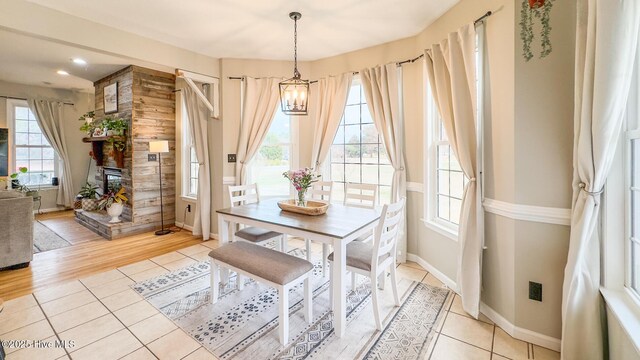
[62,72]
[79,61]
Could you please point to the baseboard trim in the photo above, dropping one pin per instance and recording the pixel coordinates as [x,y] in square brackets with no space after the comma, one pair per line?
[518,332]
[183,225]
[515,331]
[48,210]
[548,215]
[433,271]
[212,236]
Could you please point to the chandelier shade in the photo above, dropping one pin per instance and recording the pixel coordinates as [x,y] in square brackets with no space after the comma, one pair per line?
[294,92]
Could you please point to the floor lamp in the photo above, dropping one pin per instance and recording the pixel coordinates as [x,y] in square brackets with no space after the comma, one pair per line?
[160,146]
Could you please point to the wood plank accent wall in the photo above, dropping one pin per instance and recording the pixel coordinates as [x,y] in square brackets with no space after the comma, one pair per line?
[124,78]
[146,98]
[154,118]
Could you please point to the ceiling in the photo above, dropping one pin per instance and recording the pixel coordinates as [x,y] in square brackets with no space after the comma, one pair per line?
[34,61]
[262,29]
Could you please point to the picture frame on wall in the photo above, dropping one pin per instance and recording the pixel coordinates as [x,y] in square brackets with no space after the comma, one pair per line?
[111,98]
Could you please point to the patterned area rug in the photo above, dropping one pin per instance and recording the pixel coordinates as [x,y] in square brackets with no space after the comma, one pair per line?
[243,324]
[44,239]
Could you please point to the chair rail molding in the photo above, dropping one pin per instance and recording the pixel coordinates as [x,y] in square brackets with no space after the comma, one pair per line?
[548,215]
[415,187]
[229,180]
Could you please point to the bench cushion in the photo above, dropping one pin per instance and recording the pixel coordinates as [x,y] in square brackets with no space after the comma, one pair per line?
[359,255]
[271,265]
[256,235]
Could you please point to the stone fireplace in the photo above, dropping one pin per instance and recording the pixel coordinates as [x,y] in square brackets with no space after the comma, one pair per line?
[146,99]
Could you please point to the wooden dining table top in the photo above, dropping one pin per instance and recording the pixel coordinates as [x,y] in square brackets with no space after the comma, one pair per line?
[339,221]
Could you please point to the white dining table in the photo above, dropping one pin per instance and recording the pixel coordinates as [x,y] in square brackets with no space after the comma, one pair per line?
[338,227]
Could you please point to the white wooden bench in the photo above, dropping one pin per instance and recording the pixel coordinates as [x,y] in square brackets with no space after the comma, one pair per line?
[276,269]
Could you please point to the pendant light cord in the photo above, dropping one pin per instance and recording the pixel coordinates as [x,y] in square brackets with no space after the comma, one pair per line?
[296,73]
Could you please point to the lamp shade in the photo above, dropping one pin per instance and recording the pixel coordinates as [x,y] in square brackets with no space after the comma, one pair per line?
[159,146]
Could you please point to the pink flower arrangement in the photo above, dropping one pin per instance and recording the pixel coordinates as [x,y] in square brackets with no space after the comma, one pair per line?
[301,179]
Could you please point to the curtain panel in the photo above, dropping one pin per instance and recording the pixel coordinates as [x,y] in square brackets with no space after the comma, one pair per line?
[198,116]
[383,90]
[49,117]
[329,107]
[606,41]
[451,68]
[260,102]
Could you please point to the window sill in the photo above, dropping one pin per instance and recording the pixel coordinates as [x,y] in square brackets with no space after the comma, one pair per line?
[627,310]
[188,198]
[432,225]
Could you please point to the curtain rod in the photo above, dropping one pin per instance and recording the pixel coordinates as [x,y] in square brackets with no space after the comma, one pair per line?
[17,98]
[399,63]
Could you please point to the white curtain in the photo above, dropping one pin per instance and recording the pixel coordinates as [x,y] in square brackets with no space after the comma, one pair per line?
[329,107]
[198,116]
[49,117]
[260,99]
[382,87]
[606,40]
[451,66]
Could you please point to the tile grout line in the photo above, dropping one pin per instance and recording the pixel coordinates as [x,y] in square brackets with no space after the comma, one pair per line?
[439,332]
[51,325]
[123,324]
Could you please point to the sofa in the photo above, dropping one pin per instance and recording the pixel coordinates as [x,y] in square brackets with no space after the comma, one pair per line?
[16,230]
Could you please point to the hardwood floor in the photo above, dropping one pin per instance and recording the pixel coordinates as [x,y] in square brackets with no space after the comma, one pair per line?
[65,225]
[87,258]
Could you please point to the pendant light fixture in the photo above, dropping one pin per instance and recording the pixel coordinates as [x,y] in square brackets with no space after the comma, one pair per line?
[294,92]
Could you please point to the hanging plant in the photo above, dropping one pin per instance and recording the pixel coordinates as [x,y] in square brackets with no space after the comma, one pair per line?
[539,10]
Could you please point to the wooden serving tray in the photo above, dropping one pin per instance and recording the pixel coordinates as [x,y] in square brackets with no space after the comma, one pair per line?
[314,207]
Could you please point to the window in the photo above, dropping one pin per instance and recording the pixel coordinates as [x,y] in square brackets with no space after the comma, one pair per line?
[443,174]
[190,164]
[31,148]
[274,157]
[357,154]
[632,182]
[448,179]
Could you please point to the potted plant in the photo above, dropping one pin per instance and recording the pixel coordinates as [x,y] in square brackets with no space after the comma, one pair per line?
[89,193]
[114,126]
[301,180]
[88,117]
[114,202]
[530,10]
[118,151]
[18,185]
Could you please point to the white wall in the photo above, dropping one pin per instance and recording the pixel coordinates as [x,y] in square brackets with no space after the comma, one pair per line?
[80,154]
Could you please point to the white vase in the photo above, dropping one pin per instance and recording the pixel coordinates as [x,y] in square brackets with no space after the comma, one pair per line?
[114,211]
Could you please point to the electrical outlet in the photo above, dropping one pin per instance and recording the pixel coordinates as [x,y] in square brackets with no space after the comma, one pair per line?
[152,157]
[188,207]
[231,158]
[535,291]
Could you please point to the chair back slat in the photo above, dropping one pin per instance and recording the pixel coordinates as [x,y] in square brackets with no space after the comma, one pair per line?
[361,195]
[243,194]
[386,235]
[321,190]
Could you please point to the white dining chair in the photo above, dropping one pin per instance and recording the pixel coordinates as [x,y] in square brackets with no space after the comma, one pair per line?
[320,190]
[364,196]
[372,260]
[248,194]
[361,195]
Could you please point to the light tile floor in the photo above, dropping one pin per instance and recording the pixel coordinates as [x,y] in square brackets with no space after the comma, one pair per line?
[100,317]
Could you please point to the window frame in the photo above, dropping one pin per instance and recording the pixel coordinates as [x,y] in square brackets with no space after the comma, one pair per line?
[293,153]
[629,136]
[329,164]
[187,145]
[12,104]
[431,135]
